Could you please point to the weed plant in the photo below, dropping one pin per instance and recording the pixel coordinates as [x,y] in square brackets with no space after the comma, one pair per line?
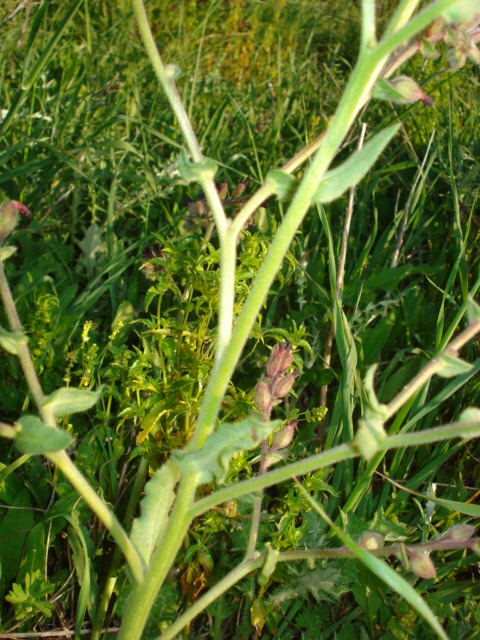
[232,398]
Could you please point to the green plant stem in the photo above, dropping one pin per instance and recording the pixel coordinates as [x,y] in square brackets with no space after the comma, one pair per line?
[215,592]
[143,595]
[23,351]
[330,457]
[60,458]
[341,553]
[368,37]
[402,15]
[100,508]
[226,238]
[358,88]
[432,367]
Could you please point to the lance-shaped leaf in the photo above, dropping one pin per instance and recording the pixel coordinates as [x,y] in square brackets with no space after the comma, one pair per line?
[450,366]
[348,174]
[473,310]
[159,496]
[7,251]
[34,438]
[66,400]
[11,341]
[212,460]
[195,171]
[282,183]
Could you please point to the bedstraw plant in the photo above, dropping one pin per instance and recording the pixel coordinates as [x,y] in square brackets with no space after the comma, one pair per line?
[189,481]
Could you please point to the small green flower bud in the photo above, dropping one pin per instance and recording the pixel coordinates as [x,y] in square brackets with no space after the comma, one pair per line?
[262,397]
[401,90]
[258,615]
[370,540]
[459,533]
[421,565]
[280,359]
[9,211]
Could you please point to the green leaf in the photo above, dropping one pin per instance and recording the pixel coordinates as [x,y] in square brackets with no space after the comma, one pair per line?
[371,431]
[212,460]
[348,174]
[155,506]
[451,366]
[7,251]
[282,183]
[33,437]
[66,400]
[461,11]
[195,171]
[11,341]
[473,310]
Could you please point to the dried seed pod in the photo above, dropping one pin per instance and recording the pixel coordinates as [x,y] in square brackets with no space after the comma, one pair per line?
[284,437]
[283,385]
[459,533]
[370,540]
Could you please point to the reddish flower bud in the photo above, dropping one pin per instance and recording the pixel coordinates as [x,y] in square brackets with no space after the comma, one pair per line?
[9,211]
[280,359]
[262,397]
[283,385]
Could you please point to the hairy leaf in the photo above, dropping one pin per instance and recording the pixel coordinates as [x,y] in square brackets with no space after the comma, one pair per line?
[33,437]
[348,174]
[66,400]
[212,460]
[159,496]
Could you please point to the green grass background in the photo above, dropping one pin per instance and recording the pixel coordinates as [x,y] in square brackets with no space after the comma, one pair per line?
[91,148]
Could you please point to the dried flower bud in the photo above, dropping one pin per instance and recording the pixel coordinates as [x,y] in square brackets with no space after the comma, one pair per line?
[280,359]
[206,560]
[370,540]
[239,189]
[283,437]
[421,565]
[9,211]
[222,191]
[262,397]
[459,533]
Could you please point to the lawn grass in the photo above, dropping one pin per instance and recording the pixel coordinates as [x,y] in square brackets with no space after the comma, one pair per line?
[92,150]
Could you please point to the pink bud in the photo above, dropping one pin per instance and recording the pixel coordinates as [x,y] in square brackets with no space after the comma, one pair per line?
[283,385]
[280,359]
[409,91]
